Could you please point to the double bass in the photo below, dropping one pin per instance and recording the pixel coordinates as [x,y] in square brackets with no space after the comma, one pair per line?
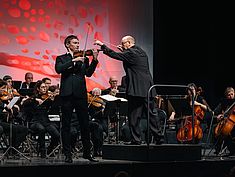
[185,134]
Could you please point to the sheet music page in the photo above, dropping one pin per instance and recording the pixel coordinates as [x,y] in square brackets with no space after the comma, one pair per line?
[111,98]
[13,101]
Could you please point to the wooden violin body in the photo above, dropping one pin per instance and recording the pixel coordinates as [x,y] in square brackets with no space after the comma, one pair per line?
[95,101]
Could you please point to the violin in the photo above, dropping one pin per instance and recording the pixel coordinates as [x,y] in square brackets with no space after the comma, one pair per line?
[95,101]
[8,94]
[49,95]
[4,95]
[82,53]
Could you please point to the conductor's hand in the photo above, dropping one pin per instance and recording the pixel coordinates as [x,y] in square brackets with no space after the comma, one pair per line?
[120,48]
[97,42]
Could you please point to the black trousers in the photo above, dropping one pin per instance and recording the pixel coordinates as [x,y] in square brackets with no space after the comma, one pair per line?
[69,103]
[41,130]
[137,108]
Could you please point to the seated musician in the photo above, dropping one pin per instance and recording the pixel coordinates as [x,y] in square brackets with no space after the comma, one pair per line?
[223,112]
[114,87]
[40,123]
[202,113]
[98,123]
[19,132]
[28,83]
[47,81]
[9,93]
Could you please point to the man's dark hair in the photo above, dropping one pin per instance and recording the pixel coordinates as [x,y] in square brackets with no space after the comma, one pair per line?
[45,79]
[69,38]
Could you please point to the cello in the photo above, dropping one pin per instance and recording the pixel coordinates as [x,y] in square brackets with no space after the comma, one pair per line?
[185,134]
[225,126]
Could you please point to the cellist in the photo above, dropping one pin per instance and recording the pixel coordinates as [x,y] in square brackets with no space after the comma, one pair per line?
[201,112]
[223,112]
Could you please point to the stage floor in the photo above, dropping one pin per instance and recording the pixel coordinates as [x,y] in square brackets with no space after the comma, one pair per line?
[208,165]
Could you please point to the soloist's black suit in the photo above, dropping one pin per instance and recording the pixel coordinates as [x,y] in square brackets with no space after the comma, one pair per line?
[73,94]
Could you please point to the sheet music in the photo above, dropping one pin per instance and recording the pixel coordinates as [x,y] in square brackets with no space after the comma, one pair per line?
[111,98]
[55,117]
[13,101]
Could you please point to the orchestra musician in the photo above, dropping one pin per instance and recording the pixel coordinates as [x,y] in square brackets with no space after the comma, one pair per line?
[28,83]
[8,93]
[98,122]
[202,113]
[225,117]
[114,87]
[47,81]
[40,123]
[19,132]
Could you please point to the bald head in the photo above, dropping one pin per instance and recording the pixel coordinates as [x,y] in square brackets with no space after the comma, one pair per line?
[128,42]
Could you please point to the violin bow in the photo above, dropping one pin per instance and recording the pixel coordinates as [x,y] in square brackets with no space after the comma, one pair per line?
[84,51]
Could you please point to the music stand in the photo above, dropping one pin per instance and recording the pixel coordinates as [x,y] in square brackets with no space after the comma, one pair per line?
[10,148]
[114,106]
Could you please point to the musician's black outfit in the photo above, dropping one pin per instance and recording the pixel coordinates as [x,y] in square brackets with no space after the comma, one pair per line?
[138,82]
[73,94]
[229,141]
[40,124]
[19,132]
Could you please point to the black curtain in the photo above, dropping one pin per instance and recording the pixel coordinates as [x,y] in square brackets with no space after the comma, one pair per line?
[194,42]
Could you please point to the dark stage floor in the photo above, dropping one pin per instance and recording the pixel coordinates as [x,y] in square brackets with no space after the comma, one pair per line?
[208,164]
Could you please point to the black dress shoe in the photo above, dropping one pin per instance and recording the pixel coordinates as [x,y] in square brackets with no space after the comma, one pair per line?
[90,158]
[68,159]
